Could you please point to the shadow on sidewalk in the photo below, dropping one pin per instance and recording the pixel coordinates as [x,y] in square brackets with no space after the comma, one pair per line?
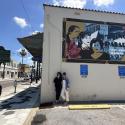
[22,100]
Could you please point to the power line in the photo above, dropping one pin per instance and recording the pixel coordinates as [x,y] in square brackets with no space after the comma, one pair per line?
[22,3]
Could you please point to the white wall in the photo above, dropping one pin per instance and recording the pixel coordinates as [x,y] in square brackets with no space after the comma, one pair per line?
[9,68]
[102,83]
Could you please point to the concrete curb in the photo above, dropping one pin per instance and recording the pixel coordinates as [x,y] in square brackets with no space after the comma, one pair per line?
[32,113]
[30,117]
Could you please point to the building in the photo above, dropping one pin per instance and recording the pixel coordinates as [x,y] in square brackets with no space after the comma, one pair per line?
[11,70]
[24,70]
[94,76]
[34,45]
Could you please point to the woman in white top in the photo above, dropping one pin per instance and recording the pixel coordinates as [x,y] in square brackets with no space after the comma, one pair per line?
[65,88]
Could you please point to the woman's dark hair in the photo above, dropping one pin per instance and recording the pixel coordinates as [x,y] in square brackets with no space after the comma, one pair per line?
[71,29]
[95,40]
[64,73]
[59,73]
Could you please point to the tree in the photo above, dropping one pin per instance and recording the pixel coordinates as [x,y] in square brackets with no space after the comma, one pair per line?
[23,53]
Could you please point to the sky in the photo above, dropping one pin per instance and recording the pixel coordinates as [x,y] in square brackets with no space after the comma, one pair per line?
[21,18]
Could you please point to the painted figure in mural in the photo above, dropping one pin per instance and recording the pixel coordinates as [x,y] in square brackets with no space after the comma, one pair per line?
[84,39]
[72,51]
[84,43]
[123,58]
[58,85]
[97,53]
[65,88]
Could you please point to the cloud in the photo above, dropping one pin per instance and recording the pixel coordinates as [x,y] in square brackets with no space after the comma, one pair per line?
[56,2]
[35,32]
[20,22]
[41,25]
[28,60]
[103,2]
[70,3]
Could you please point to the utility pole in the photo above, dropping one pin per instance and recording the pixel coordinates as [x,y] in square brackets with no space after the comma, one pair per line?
[3,70]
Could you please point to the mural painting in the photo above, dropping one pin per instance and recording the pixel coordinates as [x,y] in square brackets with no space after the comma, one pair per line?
[93,42]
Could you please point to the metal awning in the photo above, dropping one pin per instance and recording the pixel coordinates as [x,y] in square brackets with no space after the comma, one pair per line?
[33,44]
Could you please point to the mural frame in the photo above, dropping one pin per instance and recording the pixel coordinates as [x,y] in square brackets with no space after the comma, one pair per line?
[74,60]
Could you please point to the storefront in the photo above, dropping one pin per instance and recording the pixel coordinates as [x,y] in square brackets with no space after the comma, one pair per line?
[90,47]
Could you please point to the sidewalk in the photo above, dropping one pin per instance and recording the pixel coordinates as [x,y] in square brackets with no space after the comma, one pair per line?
[63,116]
[19,108]
[5,79]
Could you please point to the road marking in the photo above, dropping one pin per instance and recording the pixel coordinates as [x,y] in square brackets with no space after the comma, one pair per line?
[89,106]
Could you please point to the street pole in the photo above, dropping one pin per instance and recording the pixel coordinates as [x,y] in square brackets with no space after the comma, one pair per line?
[37,73]
[4,70]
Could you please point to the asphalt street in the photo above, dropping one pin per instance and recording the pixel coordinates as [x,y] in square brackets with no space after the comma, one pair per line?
[64,116]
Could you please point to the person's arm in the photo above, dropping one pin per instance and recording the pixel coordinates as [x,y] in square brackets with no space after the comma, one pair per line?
[67,82]
[54,80]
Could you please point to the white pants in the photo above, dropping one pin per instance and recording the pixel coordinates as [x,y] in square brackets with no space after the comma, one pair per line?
[65,92]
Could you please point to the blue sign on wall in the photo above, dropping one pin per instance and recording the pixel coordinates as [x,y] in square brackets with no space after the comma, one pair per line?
[83,70]
[121,71]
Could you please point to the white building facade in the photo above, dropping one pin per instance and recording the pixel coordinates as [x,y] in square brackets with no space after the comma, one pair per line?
[102,80]
[11,70]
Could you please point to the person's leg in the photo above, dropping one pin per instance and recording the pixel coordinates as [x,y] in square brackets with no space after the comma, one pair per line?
[60,90]
[67,95]
[0,90]
[63,94]
[15,90]
[58,94]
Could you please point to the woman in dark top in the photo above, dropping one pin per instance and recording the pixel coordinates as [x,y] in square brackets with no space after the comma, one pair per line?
[58,85]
